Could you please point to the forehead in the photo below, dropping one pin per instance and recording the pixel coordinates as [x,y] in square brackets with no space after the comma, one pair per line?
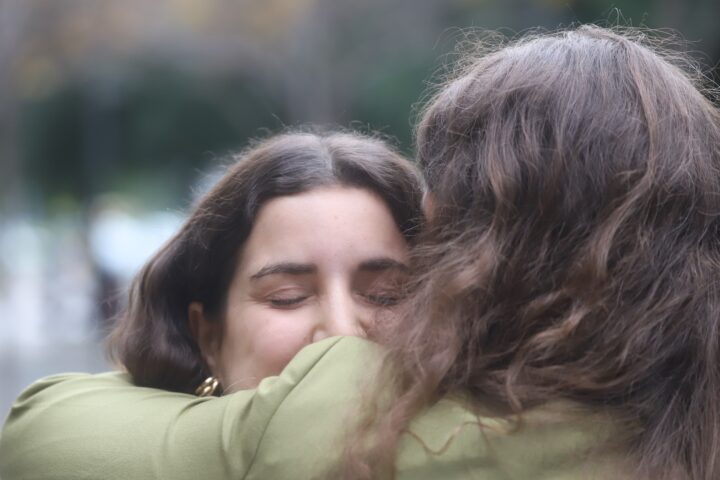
[330,226]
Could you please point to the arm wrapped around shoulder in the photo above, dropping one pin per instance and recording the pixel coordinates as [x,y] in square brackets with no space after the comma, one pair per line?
[103,427]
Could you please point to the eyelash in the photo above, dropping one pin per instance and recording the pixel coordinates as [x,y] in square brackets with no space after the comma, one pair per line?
[387,300]
[286,302]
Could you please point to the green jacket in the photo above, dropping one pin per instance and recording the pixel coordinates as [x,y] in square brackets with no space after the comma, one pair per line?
[292,426]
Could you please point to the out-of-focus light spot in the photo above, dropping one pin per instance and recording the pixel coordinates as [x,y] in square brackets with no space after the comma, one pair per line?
[193,13]
[38,77]
[121,242]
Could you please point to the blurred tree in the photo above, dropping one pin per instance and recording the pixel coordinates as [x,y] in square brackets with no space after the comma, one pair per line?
[162,123]
[14,15]
[97,96]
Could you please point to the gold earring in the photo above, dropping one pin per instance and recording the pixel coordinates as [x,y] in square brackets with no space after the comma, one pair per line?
[207,387]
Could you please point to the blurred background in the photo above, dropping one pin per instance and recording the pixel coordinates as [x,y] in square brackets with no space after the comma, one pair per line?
[112,113]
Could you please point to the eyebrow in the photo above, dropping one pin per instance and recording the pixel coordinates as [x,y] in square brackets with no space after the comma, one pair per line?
[290,268]
[380,264]
[284,267]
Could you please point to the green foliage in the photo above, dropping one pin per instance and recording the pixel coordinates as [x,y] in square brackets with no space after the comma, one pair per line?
[386,101]
[160,124]
[50,132]
[163,124]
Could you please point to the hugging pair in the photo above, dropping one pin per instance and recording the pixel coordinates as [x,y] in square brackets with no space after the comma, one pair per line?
[556,316]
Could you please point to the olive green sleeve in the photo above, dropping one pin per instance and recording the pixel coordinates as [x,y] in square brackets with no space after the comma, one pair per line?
[101,427]
[292,426]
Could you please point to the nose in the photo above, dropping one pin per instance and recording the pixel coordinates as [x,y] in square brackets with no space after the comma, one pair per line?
[340,315]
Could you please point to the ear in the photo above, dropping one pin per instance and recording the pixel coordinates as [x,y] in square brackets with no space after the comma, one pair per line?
[208,335]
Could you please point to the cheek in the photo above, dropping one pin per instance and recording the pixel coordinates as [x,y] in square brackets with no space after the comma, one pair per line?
[277,343]
[261,341]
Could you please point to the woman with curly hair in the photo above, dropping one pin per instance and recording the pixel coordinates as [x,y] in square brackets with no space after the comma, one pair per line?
[562,318]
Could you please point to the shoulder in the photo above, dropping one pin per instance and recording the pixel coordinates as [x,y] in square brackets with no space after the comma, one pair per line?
[455,438]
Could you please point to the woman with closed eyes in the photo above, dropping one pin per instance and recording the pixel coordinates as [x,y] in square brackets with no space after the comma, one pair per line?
[304,237]
[561,318]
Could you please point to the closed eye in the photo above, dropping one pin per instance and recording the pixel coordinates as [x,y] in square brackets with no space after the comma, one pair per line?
[382,299]
[287,302]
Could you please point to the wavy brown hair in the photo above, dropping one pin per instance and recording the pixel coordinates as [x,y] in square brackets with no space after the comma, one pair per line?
[152,338]
[573,251]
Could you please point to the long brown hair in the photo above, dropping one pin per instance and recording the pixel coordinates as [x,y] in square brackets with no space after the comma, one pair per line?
[573,251]
[152,338]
